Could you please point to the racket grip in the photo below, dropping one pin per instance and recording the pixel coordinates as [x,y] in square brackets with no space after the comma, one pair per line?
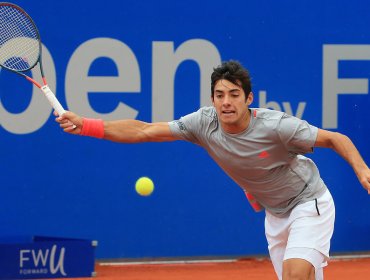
[53,100]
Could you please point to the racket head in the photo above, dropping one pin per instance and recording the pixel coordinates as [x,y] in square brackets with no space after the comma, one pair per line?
[20,44]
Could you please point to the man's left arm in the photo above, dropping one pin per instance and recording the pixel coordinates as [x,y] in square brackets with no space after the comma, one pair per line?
[347,150]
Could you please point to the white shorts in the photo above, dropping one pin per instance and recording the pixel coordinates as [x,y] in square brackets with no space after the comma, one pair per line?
[304,234]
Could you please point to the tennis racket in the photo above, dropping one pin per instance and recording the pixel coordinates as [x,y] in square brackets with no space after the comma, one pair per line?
[20,48]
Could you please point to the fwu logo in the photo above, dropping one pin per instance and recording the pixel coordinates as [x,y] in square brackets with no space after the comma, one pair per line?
[42,261]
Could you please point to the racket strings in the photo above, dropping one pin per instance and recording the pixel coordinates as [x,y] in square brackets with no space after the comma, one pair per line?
[19,40]
[15,24]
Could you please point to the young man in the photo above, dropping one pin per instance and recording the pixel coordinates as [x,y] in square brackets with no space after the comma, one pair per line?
[262,151]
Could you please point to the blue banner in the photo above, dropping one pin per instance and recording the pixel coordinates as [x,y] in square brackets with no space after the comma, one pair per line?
[151,60]
[38,257]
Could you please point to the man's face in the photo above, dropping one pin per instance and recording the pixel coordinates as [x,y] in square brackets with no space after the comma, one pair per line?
[231,106]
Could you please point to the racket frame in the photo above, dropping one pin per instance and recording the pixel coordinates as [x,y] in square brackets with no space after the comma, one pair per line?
[44,88]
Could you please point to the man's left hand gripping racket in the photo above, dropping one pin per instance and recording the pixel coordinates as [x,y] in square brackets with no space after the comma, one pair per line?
[20,47]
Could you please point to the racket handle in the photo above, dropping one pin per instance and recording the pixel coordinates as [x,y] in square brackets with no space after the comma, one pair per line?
[53,100]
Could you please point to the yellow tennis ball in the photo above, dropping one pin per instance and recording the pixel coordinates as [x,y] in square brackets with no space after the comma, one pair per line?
[144,186]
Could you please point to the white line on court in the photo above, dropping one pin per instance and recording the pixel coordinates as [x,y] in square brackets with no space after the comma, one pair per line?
[166,262]
[121,263]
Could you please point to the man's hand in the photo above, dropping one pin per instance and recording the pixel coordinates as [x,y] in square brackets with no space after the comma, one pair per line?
[70,122]
[364,178]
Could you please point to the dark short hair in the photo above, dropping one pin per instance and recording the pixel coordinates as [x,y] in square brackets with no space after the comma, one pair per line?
[235,73]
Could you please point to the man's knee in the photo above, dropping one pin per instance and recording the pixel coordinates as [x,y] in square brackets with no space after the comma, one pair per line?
[298,269]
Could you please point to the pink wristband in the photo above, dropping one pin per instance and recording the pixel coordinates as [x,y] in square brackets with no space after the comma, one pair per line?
[92,128]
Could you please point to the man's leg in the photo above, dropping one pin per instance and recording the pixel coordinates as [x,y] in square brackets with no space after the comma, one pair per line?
[298,269]
[311,228]
[303,263]
[310,225]
[276,230]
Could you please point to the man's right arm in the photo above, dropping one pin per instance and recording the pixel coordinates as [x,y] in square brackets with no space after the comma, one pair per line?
[123,131]
[134,131]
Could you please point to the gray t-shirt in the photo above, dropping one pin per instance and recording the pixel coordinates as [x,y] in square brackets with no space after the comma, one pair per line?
[265,160]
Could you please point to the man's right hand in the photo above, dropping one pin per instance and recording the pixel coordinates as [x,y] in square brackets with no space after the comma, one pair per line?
[70,122]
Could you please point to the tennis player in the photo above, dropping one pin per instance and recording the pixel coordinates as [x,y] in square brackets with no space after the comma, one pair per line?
[263,152]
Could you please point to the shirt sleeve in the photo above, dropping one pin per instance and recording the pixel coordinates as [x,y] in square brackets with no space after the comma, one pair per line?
[186,127]
[297,135]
